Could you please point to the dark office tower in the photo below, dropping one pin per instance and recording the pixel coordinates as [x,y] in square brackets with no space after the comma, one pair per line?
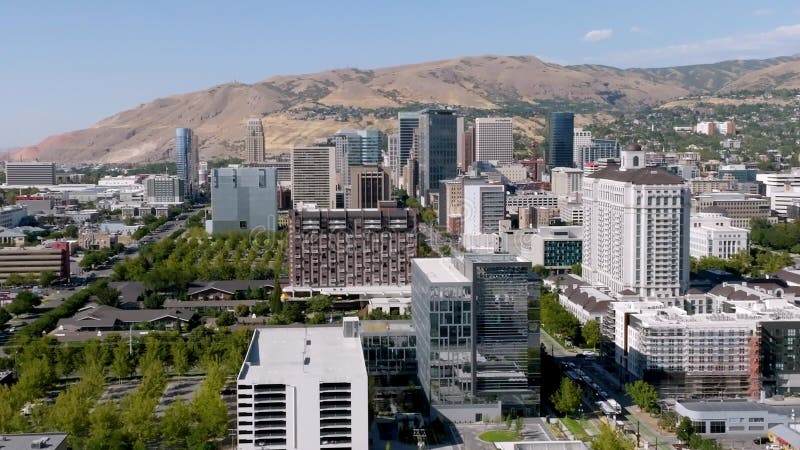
[439,133]
[468,155]
[369,186]
[561,134]
[408,121]
[186,155]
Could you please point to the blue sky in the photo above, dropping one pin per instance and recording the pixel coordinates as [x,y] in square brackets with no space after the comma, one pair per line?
[64,65]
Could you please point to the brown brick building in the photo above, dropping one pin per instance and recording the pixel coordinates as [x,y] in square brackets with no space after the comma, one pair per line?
[351,247]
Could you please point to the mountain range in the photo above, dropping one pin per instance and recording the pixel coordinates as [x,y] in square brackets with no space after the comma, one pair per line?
[299,109]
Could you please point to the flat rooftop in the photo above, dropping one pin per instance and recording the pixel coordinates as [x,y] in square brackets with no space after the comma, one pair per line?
[440,270]
[29,440]
[282,354]
[737,405]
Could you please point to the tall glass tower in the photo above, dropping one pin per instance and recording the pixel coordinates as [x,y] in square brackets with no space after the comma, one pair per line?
[187,159]
[561,134]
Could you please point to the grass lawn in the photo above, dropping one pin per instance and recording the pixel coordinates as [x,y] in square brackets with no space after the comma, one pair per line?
[499,436]
[575,428]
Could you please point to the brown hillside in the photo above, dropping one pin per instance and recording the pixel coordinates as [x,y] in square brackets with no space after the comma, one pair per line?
[299,109]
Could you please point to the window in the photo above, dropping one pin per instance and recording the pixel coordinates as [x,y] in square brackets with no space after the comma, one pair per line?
[717,426]
[242,224]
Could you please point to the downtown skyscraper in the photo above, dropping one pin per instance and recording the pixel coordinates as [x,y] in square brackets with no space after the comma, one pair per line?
[188,160]
[560,137]
[494,139]
[440,131]
[254,142]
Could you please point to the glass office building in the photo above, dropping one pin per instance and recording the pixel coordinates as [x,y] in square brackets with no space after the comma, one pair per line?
[477,324]
[561,135]
[439,132]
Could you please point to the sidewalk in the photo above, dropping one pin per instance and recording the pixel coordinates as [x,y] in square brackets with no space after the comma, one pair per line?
[648,429]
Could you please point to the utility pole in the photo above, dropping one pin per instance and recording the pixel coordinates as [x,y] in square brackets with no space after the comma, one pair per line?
[638,423]
[130,340]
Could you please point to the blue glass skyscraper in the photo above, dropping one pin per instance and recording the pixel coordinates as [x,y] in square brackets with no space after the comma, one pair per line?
[561,134]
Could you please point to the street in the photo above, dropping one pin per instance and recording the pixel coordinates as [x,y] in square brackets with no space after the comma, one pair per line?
[610,388]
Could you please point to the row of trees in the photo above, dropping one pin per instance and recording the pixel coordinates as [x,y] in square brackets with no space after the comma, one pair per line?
[755,263]
[779,236]
[168,266]
[44,279]
[94,258]
[561,323]
[131,422]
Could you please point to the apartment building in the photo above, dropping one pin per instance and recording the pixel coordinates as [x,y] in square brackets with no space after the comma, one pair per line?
[303,388]
[636,228]
[351,247]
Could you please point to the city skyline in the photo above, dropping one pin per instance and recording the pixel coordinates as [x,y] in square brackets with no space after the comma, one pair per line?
[95,61]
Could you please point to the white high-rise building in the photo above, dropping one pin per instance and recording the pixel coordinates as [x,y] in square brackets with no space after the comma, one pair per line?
[636,228]
[565,180]
[484,208]
[582,138]
[713,235]
[254,142]
[314,176]
[303,388]
[494,139]
[393,158]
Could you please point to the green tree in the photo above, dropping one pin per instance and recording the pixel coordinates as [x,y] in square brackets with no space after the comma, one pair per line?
[576,269]
[591,333]
[567,398]
[685,430]
[320,304]
[137,417]
[180,356]
[121,365]
[668,421]
[610,439]
[153,300]
[71,231]
[541,271]
[275,301]
[177,424]
[47,278]
[643,394]
[428,215]
[104,428]
[226,319]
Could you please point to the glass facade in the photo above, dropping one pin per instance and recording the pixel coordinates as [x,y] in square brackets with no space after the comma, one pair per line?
[562,253]
[561,136]
[186,159]
[478,332]
[408,122]
[438,148]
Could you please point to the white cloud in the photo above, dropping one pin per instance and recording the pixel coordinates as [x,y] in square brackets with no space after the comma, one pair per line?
[598,35]
[783,40]
[762,12]
[638,29]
